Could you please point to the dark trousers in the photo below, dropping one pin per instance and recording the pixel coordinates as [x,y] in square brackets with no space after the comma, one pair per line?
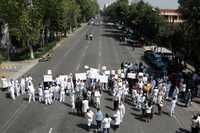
[106,130]
[98,124]
[115,127]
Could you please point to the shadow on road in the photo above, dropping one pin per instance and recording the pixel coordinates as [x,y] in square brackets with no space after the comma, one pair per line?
[138,117]
[181,130]
[108,107]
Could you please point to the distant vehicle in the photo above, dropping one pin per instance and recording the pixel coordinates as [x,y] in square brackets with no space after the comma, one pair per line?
[155,60]
[4,83]
[45,58]
[89,36]
[111,24]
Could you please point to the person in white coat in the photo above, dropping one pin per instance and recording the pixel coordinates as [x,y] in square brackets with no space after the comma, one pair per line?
[17,88]
[72,95]
[40,93]
[122,110]
[12,91]
[116,119]
[46,96]
[106,124]
[31,92]
[62,93]
[56,92]
[22,85]
[89,117]
[85,106]
[172,107]
[97,96]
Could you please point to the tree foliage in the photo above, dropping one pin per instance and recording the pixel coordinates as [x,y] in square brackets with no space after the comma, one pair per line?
[31,21]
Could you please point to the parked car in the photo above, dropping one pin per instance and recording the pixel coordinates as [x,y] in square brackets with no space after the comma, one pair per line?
[155,60]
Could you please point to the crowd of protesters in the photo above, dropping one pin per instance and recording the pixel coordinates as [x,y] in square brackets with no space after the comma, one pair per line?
[131,84]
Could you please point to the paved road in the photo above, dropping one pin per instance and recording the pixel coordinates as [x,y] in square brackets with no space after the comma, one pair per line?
[22,117]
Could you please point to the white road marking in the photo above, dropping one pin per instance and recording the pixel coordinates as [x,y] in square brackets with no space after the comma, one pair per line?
[14,116]
[83,55]
[99,66]
[50,130]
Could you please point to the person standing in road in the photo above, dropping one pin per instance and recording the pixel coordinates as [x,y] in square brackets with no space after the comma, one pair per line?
[89,116]
[40,93]
[173,105]
[22,85]
[99,118]
[106,124]
[31,92]
[116,119]
[85,103]
[122,110]
[78,105]
[12,91]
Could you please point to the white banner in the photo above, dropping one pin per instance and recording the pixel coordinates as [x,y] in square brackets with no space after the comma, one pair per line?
[93,73]
[103,79]
[48,78]
[107,72]
[63,77]
[81,76]
[131,75]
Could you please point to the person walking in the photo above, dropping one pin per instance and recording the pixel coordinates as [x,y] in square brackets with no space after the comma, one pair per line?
[31,92]
[122,110]
[85,103]
[195,124]
[40,93]
[148,112]
[79,105]
[89,117]
[106,124]
[173,105]
[99,118]
[116,119]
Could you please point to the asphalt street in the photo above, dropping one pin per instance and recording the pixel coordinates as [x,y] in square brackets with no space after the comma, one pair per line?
[19,116]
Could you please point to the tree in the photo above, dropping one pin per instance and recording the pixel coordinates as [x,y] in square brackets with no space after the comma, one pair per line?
[89,8]
[71,15]
[190,9]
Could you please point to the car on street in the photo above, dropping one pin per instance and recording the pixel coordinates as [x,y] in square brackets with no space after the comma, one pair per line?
[155,60]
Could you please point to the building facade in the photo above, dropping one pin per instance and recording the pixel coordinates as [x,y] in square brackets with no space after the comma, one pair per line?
[171,15]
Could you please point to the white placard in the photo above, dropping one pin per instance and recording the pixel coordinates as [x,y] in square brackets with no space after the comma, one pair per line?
[48,78]
[122,75]
[119,71]
[4,83]
[93,73]
[113,72]
[131,75]
[103,79]
[141,74]
[63,77]
[81,76]
[107,72]
[104,68]
[49,72]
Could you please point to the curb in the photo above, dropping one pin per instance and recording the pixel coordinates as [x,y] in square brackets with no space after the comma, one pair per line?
[35,61]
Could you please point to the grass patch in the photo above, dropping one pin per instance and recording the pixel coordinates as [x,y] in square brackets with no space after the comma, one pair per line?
[38,53]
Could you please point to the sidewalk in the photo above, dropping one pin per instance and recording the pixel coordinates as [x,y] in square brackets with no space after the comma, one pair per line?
[15,69]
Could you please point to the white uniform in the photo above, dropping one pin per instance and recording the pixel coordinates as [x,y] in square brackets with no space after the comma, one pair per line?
[22,86]
[85,105]
[40,94]
[97,95]
[56,92]
[46,96]
[117,118]
[90,116]
[122,110]
[31,92]
[12,92]
[17,88]
[72,95]
[62,94]
[172,108]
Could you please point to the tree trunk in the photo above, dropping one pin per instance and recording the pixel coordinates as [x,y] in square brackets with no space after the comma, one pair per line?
[31,52]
